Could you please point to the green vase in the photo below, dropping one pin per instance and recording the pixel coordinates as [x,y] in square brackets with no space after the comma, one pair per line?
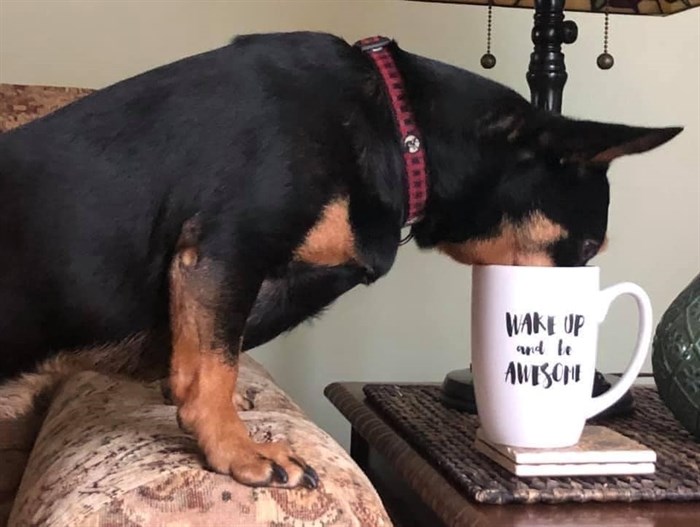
[676,357]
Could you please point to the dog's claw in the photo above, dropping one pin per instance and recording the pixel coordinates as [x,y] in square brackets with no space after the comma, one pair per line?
[279,474]
[270,464]
[310,478]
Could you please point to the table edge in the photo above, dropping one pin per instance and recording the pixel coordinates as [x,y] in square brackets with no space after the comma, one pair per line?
[448,503]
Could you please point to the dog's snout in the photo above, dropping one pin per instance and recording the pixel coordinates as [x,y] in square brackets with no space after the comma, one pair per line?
[589,248]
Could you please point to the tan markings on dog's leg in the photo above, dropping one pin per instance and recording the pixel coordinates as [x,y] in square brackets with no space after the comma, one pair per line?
[187,321]
[331,240]
[185,328]
[203,382]
[223,436]
[242,403]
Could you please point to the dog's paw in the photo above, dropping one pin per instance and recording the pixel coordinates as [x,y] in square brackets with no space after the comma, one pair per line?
[264,465]
[243,402]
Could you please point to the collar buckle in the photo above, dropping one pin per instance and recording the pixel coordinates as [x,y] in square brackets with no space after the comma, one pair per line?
[373,44]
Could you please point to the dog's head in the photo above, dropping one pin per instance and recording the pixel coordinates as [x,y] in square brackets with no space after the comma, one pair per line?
[528,189]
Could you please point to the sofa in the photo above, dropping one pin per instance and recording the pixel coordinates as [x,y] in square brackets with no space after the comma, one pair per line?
[106,450]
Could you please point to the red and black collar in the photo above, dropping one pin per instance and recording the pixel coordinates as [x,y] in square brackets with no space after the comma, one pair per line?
[377,49]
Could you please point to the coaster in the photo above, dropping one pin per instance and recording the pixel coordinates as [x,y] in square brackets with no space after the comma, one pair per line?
[600,451]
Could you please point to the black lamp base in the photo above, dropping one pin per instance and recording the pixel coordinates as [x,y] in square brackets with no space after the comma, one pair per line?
[458,393]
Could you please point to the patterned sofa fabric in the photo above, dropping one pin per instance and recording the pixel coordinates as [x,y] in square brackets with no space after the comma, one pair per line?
[20,104]
[109,451]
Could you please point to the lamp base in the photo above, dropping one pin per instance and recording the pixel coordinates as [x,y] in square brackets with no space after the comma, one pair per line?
[458,393]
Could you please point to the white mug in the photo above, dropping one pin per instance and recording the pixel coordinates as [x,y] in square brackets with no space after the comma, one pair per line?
[534,343]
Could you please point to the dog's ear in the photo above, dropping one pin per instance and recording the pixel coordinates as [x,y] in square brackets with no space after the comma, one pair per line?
[596,142]
[507,122]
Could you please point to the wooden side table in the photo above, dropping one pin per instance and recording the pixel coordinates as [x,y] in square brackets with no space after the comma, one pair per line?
[416,494]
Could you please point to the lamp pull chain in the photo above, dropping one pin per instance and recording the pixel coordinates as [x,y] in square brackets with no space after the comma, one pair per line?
[605,60]
[488,61]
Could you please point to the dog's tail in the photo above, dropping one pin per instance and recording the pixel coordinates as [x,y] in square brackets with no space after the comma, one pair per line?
[22,407]
[22,396]
[23,404]
[30,393]
[25,399]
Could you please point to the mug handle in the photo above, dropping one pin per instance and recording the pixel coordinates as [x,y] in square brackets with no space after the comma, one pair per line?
[600,403]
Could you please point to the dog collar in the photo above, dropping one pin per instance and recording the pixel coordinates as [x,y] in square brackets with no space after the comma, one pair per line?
[416,168]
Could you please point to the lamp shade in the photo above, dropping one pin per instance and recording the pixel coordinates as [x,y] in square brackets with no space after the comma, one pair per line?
[625,7]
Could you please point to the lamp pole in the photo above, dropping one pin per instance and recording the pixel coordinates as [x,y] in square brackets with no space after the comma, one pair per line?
[546,77]
[546,74]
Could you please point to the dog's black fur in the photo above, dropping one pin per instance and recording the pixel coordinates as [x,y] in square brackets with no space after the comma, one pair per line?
[253,140]
[256,137]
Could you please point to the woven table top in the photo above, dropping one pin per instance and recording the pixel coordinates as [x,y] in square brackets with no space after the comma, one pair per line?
[445,438]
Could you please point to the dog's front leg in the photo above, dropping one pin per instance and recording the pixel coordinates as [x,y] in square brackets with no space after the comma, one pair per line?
[209,304]
[304,290]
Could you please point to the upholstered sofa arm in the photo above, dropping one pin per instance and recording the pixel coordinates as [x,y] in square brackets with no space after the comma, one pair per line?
[110,453]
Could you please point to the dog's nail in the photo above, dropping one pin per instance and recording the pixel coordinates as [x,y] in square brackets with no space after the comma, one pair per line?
[310,478]
[279,474]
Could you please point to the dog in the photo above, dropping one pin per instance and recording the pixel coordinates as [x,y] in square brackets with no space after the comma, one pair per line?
[218,201]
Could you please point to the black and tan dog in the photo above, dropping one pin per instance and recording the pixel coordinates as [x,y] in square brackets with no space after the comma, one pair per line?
[221,200]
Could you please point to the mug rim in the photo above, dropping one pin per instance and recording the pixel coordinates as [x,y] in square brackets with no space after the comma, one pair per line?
[541,267]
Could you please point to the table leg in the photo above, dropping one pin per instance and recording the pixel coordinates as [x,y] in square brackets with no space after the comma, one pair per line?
[359,449]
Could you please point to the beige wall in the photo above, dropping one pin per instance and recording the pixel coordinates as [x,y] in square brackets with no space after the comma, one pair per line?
[413,324]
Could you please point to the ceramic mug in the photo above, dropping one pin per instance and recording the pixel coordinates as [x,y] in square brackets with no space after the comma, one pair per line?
[534,347]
